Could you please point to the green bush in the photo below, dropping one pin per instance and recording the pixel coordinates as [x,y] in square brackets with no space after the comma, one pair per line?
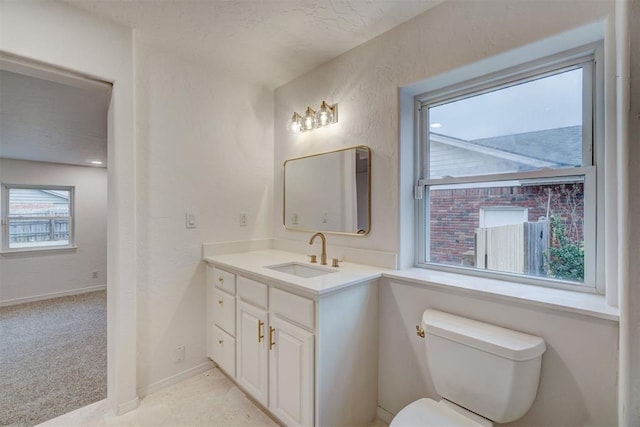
[564,259]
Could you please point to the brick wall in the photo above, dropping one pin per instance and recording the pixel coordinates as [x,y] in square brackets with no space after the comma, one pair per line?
[455,213]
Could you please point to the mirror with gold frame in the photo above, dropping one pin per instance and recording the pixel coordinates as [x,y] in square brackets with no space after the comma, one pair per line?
[329,192]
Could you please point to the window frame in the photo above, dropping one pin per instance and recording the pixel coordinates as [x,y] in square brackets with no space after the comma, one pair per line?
[6,188]
[589,59]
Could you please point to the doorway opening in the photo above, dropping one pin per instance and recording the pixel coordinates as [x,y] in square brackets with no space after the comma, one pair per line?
[53,264]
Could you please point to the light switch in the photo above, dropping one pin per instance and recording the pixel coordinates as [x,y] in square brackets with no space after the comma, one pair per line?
[190,218]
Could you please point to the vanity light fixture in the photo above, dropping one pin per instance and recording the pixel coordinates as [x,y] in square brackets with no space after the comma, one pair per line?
[325,114]
[312,119]
[308,122]
[295,123]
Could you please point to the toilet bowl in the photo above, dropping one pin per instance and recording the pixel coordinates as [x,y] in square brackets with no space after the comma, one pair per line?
[484,373]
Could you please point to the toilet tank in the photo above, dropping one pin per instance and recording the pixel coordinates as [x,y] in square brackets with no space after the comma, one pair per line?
[487,369]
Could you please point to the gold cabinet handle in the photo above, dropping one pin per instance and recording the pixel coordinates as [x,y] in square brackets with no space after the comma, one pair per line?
[260,325]
[419,331]
[220,301]
[221,279]
[220,341]
[271,341]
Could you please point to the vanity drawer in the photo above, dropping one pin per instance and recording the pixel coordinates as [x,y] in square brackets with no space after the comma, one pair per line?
[224,351]
[252,291]
[293,307]
[222,279]
[224,311]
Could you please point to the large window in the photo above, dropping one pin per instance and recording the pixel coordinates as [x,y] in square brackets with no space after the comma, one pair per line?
[508,174]
[36,217]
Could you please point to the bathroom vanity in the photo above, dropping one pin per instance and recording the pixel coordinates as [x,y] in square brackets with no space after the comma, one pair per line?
[298,338]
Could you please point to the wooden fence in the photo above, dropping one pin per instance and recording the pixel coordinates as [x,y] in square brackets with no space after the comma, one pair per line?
[517,248]
[38,230]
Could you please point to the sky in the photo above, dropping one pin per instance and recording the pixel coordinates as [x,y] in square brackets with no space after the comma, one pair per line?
[545,103]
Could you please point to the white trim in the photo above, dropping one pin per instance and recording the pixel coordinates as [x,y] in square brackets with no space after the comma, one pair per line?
[384,415]
[125,407]
[174,379]
[517,176]
[48,245]
[42,250]
[580,57]
[561,300]
[51,295]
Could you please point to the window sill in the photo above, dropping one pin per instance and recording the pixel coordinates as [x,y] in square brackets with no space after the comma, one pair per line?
[556,299]
[39,251]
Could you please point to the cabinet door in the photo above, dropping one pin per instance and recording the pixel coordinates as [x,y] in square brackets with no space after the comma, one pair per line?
[252,351]
[291,390]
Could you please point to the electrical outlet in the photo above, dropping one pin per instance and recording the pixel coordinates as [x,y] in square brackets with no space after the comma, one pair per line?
[94,275]
[179,357]
[244,220]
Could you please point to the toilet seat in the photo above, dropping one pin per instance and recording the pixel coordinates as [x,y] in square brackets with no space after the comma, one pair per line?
[428,412]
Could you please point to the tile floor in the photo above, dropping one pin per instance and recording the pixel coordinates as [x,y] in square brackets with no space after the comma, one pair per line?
[207,399]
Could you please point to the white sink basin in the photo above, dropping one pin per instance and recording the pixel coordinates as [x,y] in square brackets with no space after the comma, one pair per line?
[300,270]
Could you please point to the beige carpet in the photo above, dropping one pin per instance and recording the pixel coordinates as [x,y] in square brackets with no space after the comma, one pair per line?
[53,357]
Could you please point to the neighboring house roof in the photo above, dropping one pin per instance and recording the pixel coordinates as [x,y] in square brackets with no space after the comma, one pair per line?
[549,148]
[19,195]
[560,146]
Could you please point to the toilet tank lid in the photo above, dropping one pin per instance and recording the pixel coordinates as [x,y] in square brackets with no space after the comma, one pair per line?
[493,339]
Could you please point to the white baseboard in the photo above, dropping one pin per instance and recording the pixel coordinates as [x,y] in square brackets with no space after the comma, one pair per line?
[51,295]
[123,408]
[174,379]
[385,415]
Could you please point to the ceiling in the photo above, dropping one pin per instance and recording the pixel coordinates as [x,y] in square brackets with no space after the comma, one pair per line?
[49,121]
[270,42]
[266,41]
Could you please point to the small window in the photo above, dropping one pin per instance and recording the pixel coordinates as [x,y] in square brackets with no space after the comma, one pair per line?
[507,167]
[37,217]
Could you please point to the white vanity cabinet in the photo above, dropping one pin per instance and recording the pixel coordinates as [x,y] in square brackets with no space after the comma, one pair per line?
[310,359]
[221,318]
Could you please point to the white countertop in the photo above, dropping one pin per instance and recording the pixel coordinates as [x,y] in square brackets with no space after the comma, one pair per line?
[255,263]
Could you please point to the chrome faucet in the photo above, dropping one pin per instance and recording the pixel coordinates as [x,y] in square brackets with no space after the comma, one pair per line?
[323,255]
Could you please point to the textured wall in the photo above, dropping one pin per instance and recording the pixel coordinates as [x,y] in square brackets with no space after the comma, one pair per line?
[36,274]
[578,378]
[204,144]
[365,83]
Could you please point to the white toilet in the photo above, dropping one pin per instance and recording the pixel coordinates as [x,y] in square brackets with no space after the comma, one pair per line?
[484,373]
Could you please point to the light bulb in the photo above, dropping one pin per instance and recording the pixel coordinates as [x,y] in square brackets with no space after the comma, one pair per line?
[324,116]
[308,119]
[294,124]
